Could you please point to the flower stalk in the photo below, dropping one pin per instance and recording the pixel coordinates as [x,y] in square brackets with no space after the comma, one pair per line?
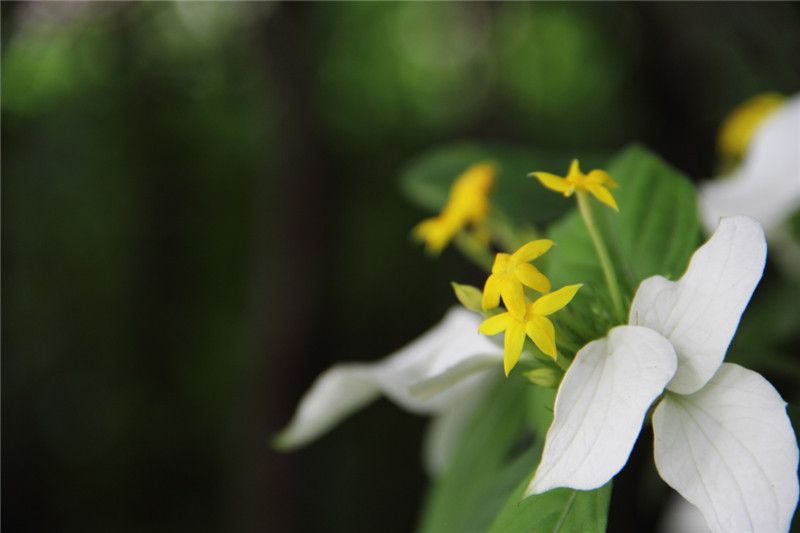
[585,208]
[474,251]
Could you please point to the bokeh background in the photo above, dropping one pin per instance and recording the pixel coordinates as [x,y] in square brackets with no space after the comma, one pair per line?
[200,213]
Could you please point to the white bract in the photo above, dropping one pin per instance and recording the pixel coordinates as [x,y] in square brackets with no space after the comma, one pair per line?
[723,439]
[444,373]
[766,186]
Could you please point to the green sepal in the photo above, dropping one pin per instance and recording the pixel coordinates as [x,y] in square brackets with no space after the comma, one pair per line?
[469,296]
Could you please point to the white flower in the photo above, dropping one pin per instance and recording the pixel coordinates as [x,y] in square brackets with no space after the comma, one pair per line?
[444,373]
[766,186]
[722,436]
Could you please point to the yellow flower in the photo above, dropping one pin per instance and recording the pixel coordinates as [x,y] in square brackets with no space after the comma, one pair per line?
[510,272]
[596,182]
[534,322]
[468,204]
[740,125]
[438,231]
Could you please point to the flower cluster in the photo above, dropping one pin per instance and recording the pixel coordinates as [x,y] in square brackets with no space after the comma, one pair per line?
[467,205]
[723,439]
[510,274]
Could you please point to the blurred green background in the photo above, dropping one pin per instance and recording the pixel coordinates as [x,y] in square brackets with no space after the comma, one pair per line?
[201,213]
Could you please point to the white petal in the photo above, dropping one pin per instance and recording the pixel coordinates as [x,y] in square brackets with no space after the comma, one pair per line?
[700,312]
[426,377]
[453,344]
[600,407]
[767,185]
[451,377]
[336,393]
[730,450]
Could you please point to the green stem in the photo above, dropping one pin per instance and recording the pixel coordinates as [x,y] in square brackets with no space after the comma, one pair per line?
[585,207]
[473,251]
[562,362]
[507,235]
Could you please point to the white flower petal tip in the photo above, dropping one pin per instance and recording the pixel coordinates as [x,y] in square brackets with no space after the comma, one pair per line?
[730,450]
[336,393]
[447,363]
[600,407]
[700,312]
[767,184]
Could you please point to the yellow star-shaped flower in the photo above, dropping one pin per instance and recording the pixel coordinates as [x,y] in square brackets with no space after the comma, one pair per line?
[596,182]
[510,272]
[468,204]
[534,323]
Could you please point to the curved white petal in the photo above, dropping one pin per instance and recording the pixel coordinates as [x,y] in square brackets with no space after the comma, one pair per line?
[767,185]
[453,376]
[600,407]
[452,355]
[730,450]
[700,312]
[441,354]
[336,393]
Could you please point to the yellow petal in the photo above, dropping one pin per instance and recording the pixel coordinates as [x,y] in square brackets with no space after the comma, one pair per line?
[515,338]
[543,334]
[435,233]
[553,182]
[552,302]
[469,194]
[532,250]
[601,177]
[739,127]
[495,324]
[574,173]
[491,293]
[602,194]
[513,296]
[530,276]
[500,262]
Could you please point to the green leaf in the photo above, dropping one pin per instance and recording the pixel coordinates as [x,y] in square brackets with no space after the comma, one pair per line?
[494,456]
[559,510]
[426,181]
[655,232]
[541,402]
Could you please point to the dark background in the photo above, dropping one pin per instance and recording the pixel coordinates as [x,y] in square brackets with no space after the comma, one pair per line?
[200,214]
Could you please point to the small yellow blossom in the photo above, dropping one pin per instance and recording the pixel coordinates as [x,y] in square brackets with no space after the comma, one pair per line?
[739,126]
[596,182]
[534,323]
[510,272]
[468,203]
